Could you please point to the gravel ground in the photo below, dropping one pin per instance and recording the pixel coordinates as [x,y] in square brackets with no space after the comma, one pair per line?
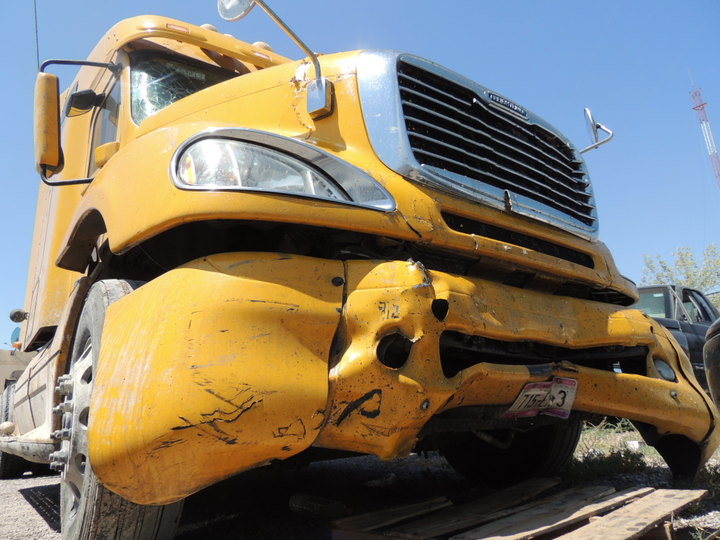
[255,505]
[29,508]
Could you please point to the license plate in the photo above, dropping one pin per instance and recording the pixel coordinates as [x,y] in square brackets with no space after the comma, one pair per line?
[554,398]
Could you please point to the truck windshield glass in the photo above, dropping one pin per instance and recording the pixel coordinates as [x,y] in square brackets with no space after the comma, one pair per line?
[159,80]
[655,303]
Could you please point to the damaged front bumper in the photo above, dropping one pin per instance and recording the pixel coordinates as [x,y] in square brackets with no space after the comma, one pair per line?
[235,360]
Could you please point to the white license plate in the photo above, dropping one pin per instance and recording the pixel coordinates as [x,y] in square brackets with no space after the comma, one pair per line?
[554,398]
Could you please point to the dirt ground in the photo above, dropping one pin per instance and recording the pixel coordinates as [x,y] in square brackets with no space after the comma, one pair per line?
[283,503]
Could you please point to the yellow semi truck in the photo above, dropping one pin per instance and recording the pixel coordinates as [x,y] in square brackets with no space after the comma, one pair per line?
[241,258]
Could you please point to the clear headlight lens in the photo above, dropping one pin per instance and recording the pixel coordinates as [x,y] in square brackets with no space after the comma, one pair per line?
[226,164]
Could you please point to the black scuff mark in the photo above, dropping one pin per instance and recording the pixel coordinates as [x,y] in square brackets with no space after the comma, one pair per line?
[294,429]
[167,444]
[241,263]
[290,307]
[215,433]
[383,431]
[358,404]
[213,420]
[407,221]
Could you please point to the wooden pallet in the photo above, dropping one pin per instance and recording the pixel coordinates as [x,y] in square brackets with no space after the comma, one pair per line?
[516,513]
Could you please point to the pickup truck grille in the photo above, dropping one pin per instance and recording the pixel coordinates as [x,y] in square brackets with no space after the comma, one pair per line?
[452,128]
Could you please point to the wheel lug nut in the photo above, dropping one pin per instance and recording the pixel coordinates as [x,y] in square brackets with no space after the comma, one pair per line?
[60,457]
[64,387]
[65,406]
[60,434]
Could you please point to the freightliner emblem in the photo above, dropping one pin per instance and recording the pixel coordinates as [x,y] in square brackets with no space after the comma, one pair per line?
[507,104]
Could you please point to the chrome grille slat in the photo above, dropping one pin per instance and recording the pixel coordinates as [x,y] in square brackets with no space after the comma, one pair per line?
[490,145]
[574,192]
[475,120]
[555,154]
[497,136]
[518,188]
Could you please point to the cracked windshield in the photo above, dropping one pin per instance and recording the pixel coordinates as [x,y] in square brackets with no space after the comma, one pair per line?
[158,81]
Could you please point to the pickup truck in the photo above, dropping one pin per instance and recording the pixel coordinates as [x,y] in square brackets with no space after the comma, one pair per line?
[686,312]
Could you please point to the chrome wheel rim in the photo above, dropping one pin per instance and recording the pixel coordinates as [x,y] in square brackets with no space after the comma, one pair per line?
[75,421]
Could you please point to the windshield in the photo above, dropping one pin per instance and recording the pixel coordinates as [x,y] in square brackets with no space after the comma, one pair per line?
[158,80]
[655,303]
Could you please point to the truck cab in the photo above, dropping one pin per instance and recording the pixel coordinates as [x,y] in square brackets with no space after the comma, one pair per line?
[241,258]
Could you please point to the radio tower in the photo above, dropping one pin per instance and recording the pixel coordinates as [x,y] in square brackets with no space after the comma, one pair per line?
[700,107]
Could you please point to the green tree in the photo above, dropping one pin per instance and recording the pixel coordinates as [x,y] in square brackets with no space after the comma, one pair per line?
[685,270]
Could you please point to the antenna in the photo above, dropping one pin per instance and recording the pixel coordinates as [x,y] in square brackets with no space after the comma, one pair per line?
[37,38]
[700,107]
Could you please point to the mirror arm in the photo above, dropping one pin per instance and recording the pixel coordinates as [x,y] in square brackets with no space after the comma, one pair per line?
[75,182]
[596,144]
[319,90]
[115,68]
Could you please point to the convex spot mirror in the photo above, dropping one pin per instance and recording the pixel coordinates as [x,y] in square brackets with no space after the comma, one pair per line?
[595,129]
[591,125]
[234,10]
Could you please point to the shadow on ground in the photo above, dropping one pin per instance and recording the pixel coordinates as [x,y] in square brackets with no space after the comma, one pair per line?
[300,504]
[46,502]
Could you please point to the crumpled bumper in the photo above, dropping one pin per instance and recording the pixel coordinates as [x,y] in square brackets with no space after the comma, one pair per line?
[380,409]
[235,360]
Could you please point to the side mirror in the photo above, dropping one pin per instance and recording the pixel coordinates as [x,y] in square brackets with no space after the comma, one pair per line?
[47,123]
[234,10]
[595,129]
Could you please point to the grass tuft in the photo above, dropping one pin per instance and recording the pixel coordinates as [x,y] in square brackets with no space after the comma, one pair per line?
[596,465]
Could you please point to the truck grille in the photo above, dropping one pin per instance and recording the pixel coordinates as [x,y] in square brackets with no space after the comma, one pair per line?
[455,129]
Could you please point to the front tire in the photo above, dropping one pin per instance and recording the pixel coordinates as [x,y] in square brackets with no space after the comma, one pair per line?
[538,452]
[11,466]
[87,508]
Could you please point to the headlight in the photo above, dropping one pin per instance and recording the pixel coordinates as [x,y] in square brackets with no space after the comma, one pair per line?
[223,163]
[214,163]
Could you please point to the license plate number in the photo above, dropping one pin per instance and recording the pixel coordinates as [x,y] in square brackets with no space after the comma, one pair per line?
[553,398]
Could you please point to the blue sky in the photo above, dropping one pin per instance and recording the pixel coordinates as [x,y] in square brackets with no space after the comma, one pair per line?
[630,61]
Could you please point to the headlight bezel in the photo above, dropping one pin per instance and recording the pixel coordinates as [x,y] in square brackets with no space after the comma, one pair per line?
[362,189]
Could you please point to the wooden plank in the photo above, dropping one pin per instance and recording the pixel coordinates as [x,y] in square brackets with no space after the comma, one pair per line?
[664,531]
[553,516]
[528,516]
[633,520]
[388,516]
[469,514]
